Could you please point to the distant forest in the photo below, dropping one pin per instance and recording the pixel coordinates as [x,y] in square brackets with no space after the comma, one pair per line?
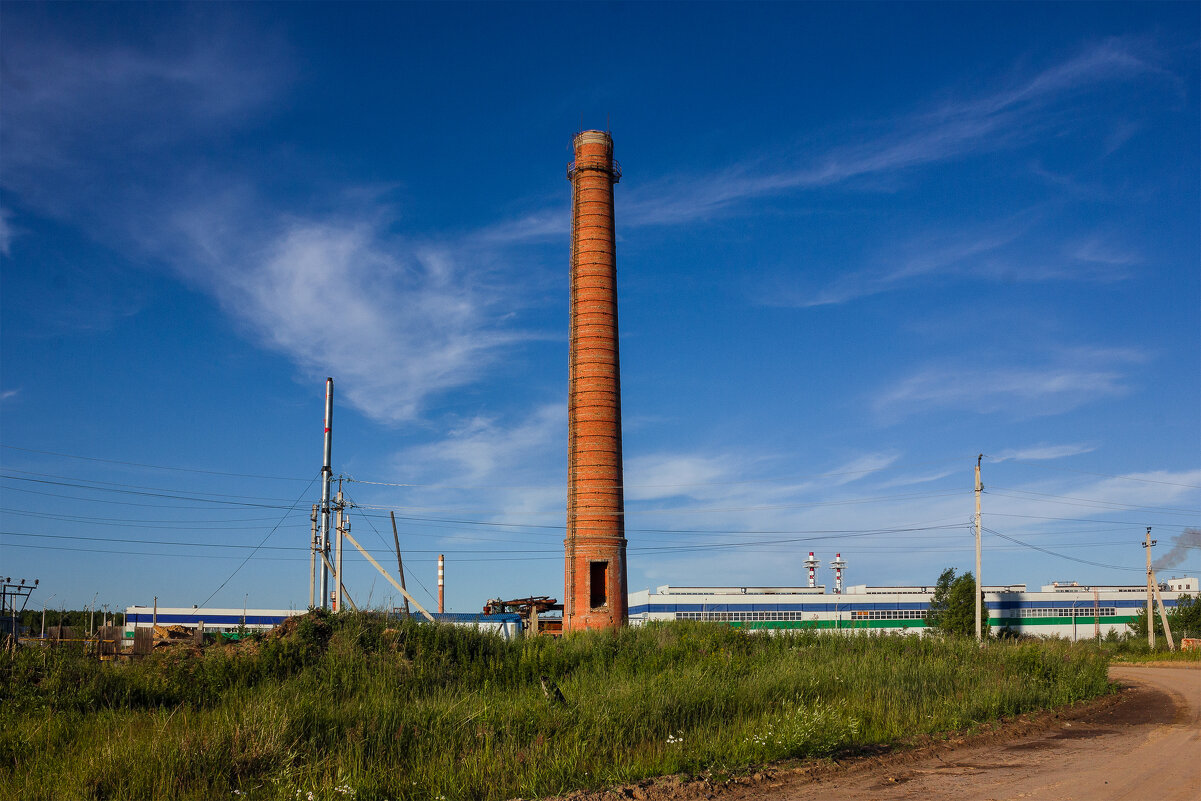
[31,619]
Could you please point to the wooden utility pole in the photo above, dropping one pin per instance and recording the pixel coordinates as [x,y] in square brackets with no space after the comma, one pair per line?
[979,583]
[1163,613]
[1147,545]
[391,580]
[400,568]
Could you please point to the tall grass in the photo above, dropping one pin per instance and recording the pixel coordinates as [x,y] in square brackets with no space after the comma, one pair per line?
[345,707]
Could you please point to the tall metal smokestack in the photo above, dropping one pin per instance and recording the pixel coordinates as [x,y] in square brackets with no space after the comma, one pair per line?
[595,592]
[838,564]
[441,583]
[326,475]
[812,564]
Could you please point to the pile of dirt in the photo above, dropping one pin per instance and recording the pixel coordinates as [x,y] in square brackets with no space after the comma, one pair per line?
[172,633]
[288,627]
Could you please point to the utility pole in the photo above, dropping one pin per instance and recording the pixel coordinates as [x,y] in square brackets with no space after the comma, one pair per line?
[979,583]
[340,506]
[400,568]
[313,558]
[1148,543]
[326,474]
[1163,612]
[51,598]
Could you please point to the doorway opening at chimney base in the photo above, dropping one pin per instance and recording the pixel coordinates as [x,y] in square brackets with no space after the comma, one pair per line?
[598,584]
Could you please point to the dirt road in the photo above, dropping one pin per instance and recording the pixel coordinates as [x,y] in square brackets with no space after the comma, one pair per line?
[1144,744]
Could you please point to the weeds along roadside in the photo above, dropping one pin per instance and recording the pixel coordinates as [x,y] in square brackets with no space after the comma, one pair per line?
[345,706]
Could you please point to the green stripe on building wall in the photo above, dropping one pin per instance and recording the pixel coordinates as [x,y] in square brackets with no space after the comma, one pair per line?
[995,622]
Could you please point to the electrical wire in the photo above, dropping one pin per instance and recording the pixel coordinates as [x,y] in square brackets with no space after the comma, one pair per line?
[415,577]
[1032,463]
[171,525]
[628,485]
[1061,555]
[266,558]
[1089,502]
[263,542]
[152,466]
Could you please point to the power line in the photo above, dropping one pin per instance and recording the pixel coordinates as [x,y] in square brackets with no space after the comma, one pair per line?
[265,558]
[152,466]
[128,489]
[96,484]
[629,485]
[1060,555]
[153,542]
[262,542]
[170,525]
[412,575]
[1091,502]
[1032,463]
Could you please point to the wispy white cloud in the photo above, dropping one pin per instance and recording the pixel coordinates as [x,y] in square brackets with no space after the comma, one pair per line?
[997,251]
[397,322]
[1007,117]
[651,476]
[6,232]
[484,451]
[1072,378]
[1098,250]
[1041,452]
[537,226]
[72,110]
[9,394]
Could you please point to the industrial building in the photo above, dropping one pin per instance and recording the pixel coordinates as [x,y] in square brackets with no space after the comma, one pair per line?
[1061,609]
[224,621]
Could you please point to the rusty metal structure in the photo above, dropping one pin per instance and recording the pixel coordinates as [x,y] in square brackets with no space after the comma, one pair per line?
[533,611]
[595,581]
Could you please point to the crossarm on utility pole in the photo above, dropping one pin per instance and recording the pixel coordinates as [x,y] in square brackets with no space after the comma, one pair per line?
[341,586]
[384,573]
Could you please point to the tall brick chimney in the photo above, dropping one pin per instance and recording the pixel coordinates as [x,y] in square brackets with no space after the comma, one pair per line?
[595,592]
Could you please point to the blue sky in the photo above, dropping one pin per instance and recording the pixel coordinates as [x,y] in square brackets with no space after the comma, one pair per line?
[858,245]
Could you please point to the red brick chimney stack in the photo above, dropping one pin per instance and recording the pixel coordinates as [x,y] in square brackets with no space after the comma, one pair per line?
[595,592]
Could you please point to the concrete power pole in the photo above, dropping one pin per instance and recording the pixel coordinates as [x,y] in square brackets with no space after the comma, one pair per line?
[313,558]
[979,583]
[1148,543]
[341,590]
[326,474]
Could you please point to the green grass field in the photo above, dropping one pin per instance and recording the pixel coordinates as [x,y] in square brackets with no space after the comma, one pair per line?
[344,707]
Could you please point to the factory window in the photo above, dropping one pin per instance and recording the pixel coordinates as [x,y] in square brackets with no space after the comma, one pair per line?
[1079,611]
[598,584]
[887,614]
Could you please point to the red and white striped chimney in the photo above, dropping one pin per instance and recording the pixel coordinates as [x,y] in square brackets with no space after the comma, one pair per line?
[812,563]
[441,583]
[838,564]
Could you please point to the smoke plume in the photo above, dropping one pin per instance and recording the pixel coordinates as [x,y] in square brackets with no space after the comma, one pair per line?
[1189,538]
